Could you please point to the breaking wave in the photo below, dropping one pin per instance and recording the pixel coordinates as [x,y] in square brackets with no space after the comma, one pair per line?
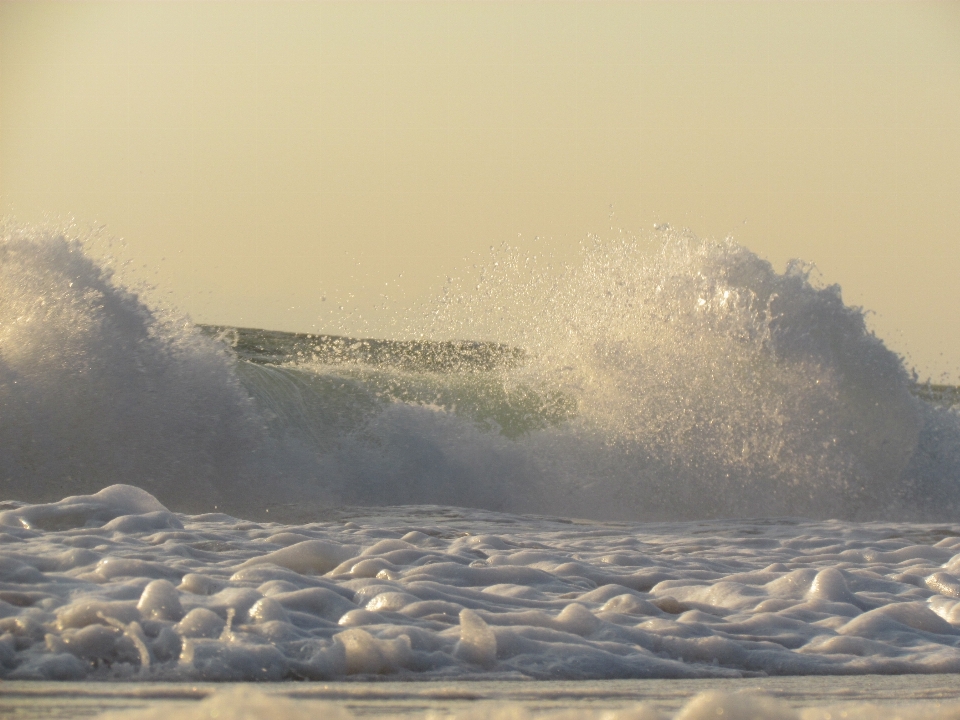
[658,378]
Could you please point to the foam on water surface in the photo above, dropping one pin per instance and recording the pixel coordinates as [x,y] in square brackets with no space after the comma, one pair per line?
[113,585]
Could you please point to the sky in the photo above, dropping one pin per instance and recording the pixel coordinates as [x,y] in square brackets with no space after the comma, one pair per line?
[267,162]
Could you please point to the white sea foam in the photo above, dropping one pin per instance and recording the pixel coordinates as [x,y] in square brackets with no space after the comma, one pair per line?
[113,585]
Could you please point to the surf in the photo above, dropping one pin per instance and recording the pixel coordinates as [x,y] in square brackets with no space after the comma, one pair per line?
[663,377]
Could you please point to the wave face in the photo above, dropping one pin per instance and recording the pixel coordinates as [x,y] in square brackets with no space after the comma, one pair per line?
[667,378]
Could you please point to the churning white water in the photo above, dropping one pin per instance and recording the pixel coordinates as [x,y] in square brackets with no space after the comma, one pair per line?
[669,378]
[191,503]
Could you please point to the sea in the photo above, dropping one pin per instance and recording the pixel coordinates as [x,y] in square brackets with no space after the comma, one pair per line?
[664,480]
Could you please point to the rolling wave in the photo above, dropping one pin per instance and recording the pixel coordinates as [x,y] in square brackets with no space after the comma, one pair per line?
[665,378]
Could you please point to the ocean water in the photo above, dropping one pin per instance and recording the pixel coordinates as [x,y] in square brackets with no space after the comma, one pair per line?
[667,461]
[787,698]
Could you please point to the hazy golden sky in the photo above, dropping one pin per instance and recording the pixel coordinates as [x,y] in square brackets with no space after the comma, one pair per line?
[259,156]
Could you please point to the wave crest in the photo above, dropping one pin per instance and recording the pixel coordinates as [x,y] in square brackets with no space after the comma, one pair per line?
[663,378]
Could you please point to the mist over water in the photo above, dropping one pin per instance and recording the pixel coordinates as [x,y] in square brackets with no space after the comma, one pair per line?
[659,378]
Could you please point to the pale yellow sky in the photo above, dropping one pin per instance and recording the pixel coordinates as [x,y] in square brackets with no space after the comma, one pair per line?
[259,156]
